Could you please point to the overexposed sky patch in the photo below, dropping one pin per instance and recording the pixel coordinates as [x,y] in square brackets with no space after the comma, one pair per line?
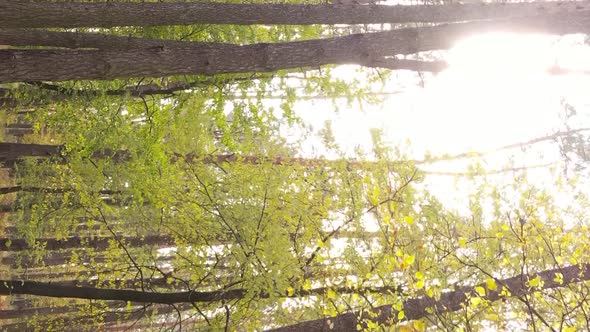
[499,89]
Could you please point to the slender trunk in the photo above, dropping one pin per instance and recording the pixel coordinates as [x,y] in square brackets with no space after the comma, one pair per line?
[15,189]
[12,152]
[113,318]
[57,93]
[29,14]
[35,311]
[52,290]
[37,150]
[417,308]
[363,49]
[60,258]
[86,242]
[127,283]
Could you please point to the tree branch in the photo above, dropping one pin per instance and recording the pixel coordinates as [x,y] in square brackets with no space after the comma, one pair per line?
[417,308]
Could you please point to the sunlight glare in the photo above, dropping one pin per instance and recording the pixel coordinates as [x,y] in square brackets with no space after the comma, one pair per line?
[496,91]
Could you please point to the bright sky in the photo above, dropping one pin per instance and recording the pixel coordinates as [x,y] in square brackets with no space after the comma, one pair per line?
[497,91]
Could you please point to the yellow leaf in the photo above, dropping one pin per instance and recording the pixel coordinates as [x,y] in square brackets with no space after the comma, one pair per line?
[307,284]
[419,275]
[558,278]
[491,284]
[505,292]
[492,317]
[535,282]
[559,259]
[430,292]
[372,325]
[409,259]
[475,300]
[419,325]
[480,291]
[401,315]
[409,220]
[290,291]
[462,242]
[386,219]
[331,294]
[420,284]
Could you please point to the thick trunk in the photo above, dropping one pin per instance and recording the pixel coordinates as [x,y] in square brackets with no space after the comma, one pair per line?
[86,242]
[61,65]
[10,152]
[417,308]
[28,37]
[75,40]
[209,59]
[29,14]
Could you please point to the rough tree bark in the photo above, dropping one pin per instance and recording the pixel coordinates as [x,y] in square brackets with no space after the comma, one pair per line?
[29,14]
[363,49]
[33,37]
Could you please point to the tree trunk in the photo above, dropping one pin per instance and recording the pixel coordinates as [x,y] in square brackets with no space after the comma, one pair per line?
[55,290]
[112,318]
[10,152]
[27,37]
[15,189]
[86,242]
[29,14]
[123,155]
[209,59]
[60,258]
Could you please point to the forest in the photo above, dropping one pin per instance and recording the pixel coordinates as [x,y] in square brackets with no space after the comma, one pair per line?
[156,172]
